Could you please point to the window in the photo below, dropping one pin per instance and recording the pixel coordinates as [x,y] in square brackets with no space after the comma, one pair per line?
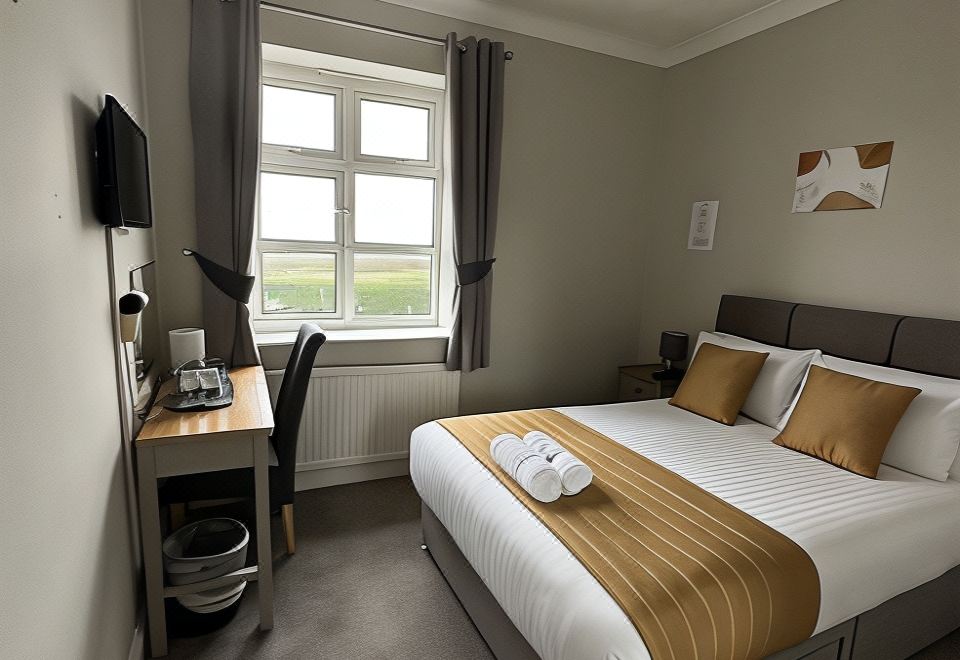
[348,228]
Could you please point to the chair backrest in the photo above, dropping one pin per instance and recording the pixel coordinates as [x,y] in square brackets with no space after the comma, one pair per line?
[289,409]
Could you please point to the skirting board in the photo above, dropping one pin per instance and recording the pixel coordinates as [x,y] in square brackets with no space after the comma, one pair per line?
[138,649]
[321,474]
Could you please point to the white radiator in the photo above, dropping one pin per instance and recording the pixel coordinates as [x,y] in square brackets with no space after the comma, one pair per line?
[357,420]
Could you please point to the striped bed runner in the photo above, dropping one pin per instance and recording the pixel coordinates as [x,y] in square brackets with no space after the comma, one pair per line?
[698,578]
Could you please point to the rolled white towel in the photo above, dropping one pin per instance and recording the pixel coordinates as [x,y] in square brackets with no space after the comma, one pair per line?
[575,475]
[528,468]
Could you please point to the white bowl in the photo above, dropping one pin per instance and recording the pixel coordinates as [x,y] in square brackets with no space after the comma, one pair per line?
[183,569]
[235,563]
[215,606]
[210,596]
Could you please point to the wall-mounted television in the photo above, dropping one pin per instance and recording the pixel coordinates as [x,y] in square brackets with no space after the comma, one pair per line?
[123,172]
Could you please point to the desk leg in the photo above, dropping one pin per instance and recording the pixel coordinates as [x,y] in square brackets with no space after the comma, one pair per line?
[151,545]
[264,553]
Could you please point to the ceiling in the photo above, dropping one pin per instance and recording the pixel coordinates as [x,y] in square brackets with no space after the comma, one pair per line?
[658,32]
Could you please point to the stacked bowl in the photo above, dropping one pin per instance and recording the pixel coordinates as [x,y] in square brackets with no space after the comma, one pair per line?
[204,550]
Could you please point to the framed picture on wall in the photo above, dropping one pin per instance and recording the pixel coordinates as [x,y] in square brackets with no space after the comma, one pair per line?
[843,178]
[703,224]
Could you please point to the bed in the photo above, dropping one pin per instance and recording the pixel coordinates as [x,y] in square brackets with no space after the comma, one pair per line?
[887,550]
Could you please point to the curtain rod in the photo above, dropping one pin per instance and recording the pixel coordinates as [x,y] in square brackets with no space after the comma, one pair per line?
[369,27]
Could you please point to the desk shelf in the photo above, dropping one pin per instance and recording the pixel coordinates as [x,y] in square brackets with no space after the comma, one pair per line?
[248,574]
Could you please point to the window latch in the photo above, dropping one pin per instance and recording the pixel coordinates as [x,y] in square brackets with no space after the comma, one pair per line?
[343,211]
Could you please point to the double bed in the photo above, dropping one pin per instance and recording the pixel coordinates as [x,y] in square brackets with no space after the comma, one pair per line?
[887,550]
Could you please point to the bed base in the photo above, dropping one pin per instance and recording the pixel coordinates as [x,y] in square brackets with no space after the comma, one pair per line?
[893,630]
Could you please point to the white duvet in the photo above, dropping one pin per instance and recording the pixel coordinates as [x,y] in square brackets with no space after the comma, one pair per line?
[870,539]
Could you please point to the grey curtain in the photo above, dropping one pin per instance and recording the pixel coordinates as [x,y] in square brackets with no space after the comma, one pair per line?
[225,114]
[475,112]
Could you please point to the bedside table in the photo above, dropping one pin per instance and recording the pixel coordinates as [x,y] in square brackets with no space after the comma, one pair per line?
[637,383]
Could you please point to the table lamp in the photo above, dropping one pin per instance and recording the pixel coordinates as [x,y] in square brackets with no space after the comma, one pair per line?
[673,348]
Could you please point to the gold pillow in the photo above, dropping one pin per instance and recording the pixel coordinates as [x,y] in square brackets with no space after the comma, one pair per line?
[845,420]
[718,382]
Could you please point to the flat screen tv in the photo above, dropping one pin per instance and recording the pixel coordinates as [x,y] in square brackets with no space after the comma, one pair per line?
[122,170]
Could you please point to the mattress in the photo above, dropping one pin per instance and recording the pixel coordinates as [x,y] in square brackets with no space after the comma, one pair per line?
[869,539]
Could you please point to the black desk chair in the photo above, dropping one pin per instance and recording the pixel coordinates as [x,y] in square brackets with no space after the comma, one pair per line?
[229,484]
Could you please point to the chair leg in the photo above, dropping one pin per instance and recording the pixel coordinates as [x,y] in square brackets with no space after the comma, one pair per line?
[286,512]
[178,515]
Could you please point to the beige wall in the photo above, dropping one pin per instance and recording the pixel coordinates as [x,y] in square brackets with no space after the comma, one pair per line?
[166,53]
[734,122]
[67,563]
[602,160]
[578,168]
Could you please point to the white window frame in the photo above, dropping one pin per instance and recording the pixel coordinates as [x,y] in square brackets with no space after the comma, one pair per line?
[410,102]
[343,163]
[300,84]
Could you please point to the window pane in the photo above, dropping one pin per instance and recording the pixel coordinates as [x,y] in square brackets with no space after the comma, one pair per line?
[295,118]
[299,283]
[391,284]
[393,209]
[394,130]
[299,208]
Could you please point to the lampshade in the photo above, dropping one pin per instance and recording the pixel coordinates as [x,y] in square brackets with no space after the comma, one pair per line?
[673,345]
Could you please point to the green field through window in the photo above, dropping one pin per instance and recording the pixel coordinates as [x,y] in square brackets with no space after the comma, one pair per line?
[384,284]
[391,284]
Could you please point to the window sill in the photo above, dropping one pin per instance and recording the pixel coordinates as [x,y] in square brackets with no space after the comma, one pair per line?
[361,347]
[356,335]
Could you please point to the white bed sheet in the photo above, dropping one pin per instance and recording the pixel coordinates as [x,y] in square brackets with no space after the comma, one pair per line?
[869,539]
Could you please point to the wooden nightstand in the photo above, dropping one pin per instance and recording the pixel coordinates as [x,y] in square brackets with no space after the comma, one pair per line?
[637,383]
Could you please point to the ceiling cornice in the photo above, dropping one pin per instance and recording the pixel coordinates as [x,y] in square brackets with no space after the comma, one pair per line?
[505,17]
[768,16]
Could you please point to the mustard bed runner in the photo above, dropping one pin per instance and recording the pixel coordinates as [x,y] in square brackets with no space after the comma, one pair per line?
[699,578]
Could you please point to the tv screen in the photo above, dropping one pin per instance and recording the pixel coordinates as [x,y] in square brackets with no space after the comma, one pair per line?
[123,169]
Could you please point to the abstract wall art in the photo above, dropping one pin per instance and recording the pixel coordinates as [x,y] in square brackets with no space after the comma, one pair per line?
[842,178]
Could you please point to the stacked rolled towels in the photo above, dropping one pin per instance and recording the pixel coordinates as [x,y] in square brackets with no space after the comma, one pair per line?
[527,467]
[574,473]
[540,465]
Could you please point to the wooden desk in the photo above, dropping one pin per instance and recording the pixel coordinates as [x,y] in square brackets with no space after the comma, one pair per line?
[173,443]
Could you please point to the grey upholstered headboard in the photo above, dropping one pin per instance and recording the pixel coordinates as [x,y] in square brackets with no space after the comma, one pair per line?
[930,346]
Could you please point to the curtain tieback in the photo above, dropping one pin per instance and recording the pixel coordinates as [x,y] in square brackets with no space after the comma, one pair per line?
[473,272]
[236,285]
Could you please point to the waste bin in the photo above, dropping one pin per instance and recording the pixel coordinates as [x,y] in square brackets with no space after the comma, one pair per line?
[203,550]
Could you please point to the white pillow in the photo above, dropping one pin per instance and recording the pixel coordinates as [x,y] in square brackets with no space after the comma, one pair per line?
[925,441]
[778,382]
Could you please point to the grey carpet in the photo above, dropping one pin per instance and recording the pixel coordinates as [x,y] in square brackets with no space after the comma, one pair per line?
[361,588]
